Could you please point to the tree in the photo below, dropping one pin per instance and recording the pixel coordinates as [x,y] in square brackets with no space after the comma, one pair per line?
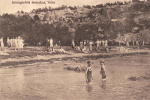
[133,38]
[144,35]
[85,32]
[63,35]
[119,38]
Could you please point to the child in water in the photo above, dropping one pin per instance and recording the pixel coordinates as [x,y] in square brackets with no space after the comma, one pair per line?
[103,70]
[88,74]
[103,73]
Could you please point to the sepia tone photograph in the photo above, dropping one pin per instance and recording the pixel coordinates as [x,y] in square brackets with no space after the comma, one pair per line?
[75,50]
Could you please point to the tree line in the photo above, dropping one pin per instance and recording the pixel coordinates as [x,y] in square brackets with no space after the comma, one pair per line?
[104,23]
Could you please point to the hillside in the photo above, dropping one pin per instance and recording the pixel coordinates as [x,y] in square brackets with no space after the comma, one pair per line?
[99,22]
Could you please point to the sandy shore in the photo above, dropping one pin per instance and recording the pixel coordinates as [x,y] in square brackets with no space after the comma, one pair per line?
[27,56]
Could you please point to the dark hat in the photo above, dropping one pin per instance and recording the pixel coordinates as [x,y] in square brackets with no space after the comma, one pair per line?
[101,61]
[89,62]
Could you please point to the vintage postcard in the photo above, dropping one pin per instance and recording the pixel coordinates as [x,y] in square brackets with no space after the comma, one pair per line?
[74,49]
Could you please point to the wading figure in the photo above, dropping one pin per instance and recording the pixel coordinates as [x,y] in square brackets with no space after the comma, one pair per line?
[88,73]
[103,73]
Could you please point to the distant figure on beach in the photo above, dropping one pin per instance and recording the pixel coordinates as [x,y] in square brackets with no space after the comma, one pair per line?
[105,43]
[1,42]
[51,44]
[90,43]
[98,43]
[81,45]
[20,42]
[103,73]
[8,42]
[47,45]
[88,73]
[137,42]
[11,42]
[16,43]
[73,43]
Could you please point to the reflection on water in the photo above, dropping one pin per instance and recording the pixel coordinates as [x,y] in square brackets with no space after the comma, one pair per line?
[51,82]
[103,84]
[89,87]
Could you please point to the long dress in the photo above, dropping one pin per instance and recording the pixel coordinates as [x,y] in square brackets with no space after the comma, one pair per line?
[19,43]
[16,43]
[51,44]
[8,42]
[97,42]
[90,43]
[2,43]
[106,43]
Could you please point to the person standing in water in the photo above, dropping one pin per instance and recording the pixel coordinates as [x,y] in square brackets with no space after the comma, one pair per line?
[103,73]
[103,70]
[88,73]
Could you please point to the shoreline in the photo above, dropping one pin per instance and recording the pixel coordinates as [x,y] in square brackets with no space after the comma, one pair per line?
[77,57]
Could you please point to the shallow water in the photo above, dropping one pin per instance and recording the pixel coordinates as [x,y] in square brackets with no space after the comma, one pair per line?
[45,81]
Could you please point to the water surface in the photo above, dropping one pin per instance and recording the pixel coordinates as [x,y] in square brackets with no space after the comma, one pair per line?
[46,81]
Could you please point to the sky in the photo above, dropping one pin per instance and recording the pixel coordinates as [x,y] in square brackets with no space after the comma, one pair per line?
[6,6]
